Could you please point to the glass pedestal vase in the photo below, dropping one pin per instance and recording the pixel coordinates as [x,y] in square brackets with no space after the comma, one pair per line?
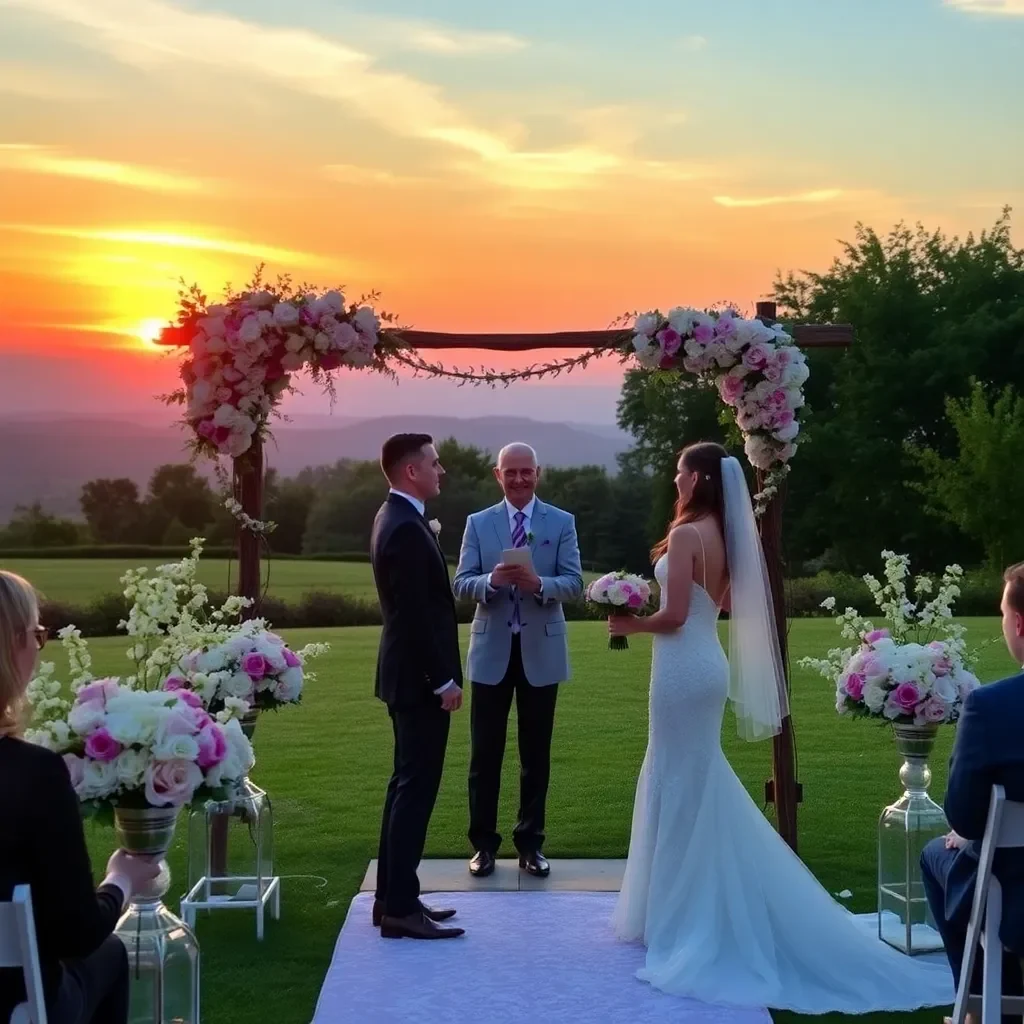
[904,828]
[163,954]
[231,853]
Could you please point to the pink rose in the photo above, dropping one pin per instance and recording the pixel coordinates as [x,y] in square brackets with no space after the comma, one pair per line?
[905,696]
[101,691]
[171,783]
[206,429]
[174,683]
[101,746]
[254,665]
[178,723]
[291,659]
[76,769]
[193,700]
[782,418]
[670,340]
[331,360]
[213,747]
[854,686]
[635,600]
[703,333]
[220,435]
[872,667]
[731,389]
[725,327]
[875,635]
[931,711]
[756,357]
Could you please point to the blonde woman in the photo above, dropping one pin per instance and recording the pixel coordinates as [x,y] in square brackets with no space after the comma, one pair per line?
[42,844]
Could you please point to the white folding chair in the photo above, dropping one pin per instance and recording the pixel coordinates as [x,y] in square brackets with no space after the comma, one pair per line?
[1003,830]
[18,949]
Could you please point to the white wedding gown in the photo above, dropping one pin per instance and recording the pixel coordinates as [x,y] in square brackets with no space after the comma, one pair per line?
[729,914]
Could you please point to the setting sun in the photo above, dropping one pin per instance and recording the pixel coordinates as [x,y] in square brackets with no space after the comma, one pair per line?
[149,330]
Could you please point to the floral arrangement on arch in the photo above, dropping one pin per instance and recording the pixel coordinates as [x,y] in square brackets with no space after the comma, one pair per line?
[758,370]
[915,670]
[243,354]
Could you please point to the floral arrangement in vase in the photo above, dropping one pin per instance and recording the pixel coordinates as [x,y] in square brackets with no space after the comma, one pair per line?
[621,593]
[126,747]
[253,666]
[915,670]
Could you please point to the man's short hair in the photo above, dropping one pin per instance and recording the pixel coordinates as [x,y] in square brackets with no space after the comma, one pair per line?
[400,448]
[1014,579]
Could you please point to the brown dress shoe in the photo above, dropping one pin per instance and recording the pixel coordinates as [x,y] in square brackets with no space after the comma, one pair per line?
[434,915]
[482,864]
[415,926]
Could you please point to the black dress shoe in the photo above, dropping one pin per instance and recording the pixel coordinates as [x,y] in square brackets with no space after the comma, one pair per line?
[434,915]
[482,864]
[535,864]
[416,926]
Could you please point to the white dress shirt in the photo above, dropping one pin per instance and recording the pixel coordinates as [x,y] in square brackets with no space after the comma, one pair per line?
[512,512]
[422,509]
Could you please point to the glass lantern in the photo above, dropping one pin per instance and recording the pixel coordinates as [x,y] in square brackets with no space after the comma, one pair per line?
[904,828]
[163,954]
[231,856]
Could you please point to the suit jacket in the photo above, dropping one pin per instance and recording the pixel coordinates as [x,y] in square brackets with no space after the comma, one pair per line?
[988,751]
[419,644]
[42,845]
[556,560]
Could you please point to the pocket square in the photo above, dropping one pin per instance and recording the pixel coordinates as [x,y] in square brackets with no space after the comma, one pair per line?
[544,543]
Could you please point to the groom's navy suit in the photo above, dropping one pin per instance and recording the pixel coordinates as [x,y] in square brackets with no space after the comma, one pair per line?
[989,750]
[419,654]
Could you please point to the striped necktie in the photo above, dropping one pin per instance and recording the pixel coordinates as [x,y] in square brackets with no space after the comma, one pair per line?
[518,541]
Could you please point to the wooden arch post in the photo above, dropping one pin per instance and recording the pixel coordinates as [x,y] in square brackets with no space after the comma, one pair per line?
[783,789]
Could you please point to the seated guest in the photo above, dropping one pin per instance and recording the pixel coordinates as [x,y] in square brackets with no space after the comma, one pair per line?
[988,751]
[42,845]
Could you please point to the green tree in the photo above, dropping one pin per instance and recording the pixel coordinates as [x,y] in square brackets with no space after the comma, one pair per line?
[981,488]
[31,527]
[112,509]
[178,492]
[930,312]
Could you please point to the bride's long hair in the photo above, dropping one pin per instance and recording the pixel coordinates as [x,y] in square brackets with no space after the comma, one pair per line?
[707,499]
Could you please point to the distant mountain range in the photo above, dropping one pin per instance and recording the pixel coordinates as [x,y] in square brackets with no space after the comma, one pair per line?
[48,459]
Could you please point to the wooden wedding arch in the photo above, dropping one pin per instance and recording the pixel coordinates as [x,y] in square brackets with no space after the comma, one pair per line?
[783,789]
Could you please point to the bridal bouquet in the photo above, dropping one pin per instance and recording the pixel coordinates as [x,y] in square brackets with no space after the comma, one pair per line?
[621,593]
[253,666]
[915,671]
[140,748]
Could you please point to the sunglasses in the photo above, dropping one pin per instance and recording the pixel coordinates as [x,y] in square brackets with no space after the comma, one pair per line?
[41,634]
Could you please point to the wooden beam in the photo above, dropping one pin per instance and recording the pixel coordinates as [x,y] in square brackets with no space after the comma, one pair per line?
[805,335]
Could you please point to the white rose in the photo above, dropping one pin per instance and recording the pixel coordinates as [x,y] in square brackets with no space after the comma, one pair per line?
[211,326]
[289,684]
[175,748]
[99,779]
[946,689]
[366,320]
[682,318]
[286,315]
[332,302]
[215,346]
[788,432]
[83,718]
[211,661]
[262,300]
[251,330]
[131,766]
[646,324]
[238,685]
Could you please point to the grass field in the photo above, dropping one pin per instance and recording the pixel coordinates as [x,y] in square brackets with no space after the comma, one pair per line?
[326,765]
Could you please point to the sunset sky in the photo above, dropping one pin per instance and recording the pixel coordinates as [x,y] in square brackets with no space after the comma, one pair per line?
[544,164]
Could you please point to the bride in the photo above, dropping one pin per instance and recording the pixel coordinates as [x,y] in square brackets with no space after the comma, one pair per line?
[728,913]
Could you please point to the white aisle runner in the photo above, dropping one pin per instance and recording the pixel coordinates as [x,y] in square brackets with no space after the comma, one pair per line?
[543,956]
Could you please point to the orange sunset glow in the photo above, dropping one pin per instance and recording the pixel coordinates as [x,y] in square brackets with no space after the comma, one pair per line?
[482,169]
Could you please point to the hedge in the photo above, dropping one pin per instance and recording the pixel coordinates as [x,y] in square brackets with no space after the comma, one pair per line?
[980,596]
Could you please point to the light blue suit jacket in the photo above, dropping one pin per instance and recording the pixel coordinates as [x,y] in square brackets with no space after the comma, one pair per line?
[556,560]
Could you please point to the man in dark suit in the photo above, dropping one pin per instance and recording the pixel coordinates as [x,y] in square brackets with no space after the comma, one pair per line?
[419,678]
[988,751]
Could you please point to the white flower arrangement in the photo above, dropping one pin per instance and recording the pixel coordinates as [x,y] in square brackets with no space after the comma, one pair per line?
[246,521]
[758,370]
[915,671]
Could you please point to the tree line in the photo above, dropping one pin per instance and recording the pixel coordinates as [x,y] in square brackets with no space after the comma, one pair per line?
[913,437]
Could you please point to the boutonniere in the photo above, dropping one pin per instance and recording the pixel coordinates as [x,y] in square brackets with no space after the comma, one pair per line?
[529,537]
[435,527]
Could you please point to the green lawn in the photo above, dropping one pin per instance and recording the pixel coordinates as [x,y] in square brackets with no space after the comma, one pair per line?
[326,766]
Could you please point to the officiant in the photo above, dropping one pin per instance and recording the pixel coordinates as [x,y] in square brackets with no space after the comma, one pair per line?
[520,562]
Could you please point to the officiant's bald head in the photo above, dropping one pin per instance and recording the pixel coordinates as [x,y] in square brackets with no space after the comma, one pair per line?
[518,472]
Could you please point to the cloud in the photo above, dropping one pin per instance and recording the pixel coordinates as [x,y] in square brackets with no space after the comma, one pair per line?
[996,8]
[32,159]
[172,240]
[47,83]
[691,43]
[154,33]
[824,195]
[424,37]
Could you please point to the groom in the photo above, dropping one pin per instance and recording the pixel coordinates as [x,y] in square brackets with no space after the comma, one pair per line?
[517,648]
[987,751]
[419,678]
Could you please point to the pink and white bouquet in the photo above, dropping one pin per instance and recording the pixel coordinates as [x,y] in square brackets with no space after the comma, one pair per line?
[621,593]
[916,671]
[244,351]
[144,748]
[757,369]
[253,666]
